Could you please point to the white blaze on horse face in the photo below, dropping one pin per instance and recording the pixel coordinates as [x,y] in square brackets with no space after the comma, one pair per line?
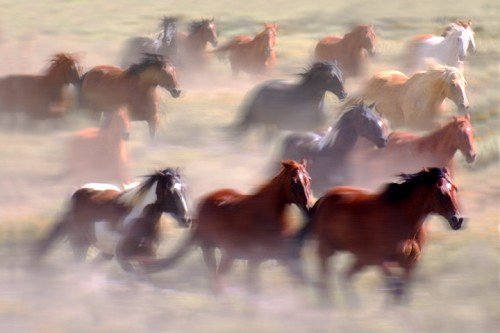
[177,187]
[101,187]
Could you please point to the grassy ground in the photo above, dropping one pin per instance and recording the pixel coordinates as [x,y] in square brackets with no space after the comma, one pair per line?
[456,287]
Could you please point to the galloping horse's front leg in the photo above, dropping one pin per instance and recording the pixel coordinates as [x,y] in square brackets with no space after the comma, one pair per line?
[325,251]
[351,295]
[395,283]
[153,125]
[211,262]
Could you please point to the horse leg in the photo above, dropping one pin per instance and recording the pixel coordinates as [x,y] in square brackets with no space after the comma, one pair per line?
[351,295]
[394,283]
[211,262]
[80,246]
[225,265]
[325,251]
[252,279]
[102,258]
[153,127]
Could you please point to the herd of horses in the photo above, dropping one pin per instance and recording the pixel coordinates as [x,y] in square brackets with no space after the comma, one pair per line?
[382,227]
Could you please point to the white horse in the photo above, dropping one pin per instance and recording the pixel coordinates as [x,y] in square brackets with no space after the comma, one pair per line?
[450,49]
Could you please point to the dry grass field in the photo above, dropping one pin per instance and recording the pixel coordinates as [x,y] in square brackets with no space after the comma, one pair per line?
[457,285]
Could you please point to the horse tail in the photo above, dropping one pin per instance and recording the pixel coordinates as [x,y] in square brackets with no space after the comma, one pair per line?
[59,230]
[157,265]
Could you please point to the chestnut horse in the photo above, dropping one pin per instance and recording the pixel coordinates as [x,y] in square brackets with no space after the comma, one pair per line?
[382,229]
[448,49]
[349,50]
[100,154]
[192,46]
[106,88]
[253,55]
[415,101]
[121,223]
[250,227]
[39,96]
[408,153]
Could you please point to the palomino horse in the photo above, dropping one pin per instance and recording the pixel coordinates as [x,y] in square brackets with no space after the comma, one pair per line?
[293,106]
[253,55]
[382,229]
[349,50]
[100,154]
[106,88]
[192,46]
[250,227]
[450,49]
[39,96]
[327,154]
[165,44]
[417,101]
[119,223]
[408,153]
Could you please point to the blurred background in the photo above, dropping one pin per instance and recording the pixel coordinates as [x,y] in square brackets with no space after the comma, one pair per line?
[457,285]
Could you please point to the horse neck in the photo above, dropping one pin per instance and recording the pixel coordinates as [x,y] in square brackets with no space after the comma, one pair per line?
[310,90]
[194,42]
[442,142]
[415,210]
[344,141]
[351,43]
[273,194]
[54,80]
[427,87]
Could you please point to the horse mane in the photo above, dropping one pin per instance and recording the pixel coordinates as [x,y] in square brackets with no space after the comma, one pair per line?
[456,25]
[397,192]
[149,60]
[168,20]
[438,75]
[60,59]
[321,66]
[137,193]
[196,25]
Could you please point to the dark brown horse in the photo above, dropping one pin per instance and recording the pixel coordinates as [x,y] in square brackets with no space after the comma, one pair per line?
[253,55]
[192,46]
[125,224]
[39,96]
[383,229]
[251,227]
[349,50]
[106,88]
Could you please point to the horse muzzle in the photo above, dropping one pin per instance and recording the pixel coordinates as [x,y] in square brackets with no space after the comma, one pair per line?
[382,143]
[214,43]
[462,107]
[456,222]
[175,92]
[471,157]
[184,222]
[342,96]
[372,53]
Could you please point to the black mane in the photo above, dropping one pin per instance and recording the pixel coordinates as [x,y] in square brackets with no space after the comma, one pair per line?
[396,192]
[166,21]
[149,60]
[322,66]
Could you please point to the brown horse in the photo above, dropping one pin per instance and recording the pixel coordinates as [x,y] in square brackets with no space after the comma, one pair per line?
[349,50]
[251,227]
[192,46]
[39,96]
[106,88]
[121,223]
[382,229]
[408,153]
[100,154]
[253,55]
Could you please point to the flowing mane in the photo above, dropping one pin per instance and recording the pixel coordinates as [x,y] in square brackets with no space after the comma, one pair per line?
[332,132]
[138,193]
[149,60]
[321,66]
[166,21]
[439,77]
[60,61]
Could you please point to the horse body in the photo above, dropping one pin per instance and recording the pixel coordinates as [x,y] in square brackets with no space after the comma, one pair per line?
[192,46]
[100,154]
[327,154]
[408,152]
[251,227]
[285,105]
[253,55]
[119,223]
[106,88]
[39,96]
[416,101]
[348,50]
[385,228]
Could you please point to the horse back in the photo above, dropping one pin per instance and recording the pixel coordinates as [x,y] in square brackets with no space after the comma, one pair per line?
[326,49]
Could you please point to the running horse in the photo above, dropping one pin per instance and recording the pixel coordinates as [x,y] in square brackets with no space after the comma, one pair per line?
[121,223]
[165,44]
[449,49]
[107,88]
[279,104]
[251,227]
[416,101]
[408,153]
[192,46]
[253,55]
[327,155]
[39,96]
[100,154]
[384,229]
[350,50]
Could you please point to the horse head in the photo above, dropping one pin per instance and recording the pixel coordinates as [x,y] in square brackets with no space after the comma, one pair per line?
[153,70]
[464,137]
[206,29]
[171,195]
[297,183]
[169,26]
[367,38]
[367,123]
[66,67]
[454,87]
[329,76]
[268,38]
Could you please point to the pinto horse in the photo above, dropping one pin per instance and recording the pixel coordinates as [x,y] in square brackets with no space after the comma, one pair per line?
[415,101]
[121,223]
[39,96]
[327,154]
[408,153]
[165,44]
[293,106]
[349,50]
[449,49]
[253,55]
[382,229]
[251,227]
[106,88]
[100,154]
[192,46]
